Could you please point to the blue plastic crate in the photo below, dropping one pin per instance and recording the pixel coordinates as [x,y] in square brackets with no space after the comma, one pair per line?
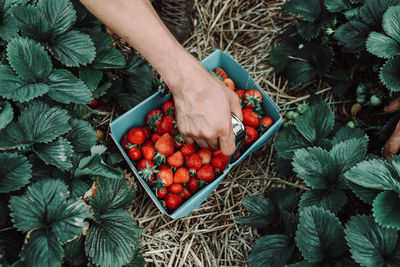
[136,117]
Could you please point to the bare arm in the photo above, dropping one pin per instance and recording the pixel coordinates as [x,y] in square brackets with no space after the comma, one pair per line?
[203,103]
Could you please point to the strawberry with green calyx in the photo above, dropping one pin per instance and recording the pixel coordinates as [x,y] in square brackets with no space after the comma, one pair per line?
[220,72]
[172,202]
[181,176]
[206,173]
[185,194]
[216,75]
[175,188]
[192,172]
[219,162]
[179,141]
[251,135]
[168,108]
[148,152]
[194,161]
[250,118]
[161,192]
[165,177]
[136,136]
[240,94]
[252,98]
[176,159]
[153,119]
[228,82]
[194,184]
[205,155]
[166,125]
[135,154]
[188,149]
[266,123]
[148,171]
[164,146]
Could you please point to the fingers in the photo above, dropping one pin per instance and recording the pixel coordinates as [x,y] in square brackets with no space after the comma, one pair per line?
[236,108]
[393,106]
[392,145]
[227,140]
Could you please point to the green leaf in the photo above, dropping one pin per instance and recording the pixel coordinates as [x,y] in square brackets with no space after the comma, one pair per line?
[279,57]
[365,194]
[337,5]
[390,22]
[389,74]
[8,27]
[350,152]
[138,77]
[300,72]
[382,45]
[369,243]
[372,11]
[271,250]
[15,172]
[66,88]
[90,77]
[316,166]
[316,123]
[74,253]
[262,212]
[309,10]
[6,114]
[102,90]
[57,153]
[13,87]
[31,23]
[346,133]
[288,141]
[352,35]
[73,49]
[108,58]
[285,199]
[94,165]
[320,235]
[373,174]
[319,56]
[78,188]
[329,199]
[386,209]
[29,60]
[60,14]
[82,136]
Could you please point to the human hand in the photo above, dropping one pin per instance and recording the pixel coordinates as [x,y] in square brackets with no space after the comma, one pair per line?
[392,145]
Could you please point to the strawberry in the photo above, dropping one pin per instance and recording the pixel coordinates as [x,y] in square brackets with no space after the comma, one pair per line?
[205,155]
[161,192]
[146,131]
[165,147]
[176,159]
[185,194]
[135,154]
[124,141]
[155,137]
[174,131]
[136,136]
[194,185]
[144,163]
[147,142]
[266,121]
[188,149]
[194,161]
[230,83]
[219,162]
[250,118]
[147,169]
[251,135]
[148,152]
[175,188]
[172,202]
[252,98]
[240,94]
[94,103]
[217,152]
[166,176]
[206,173]
[220,72]
[168,108]
[216,75]
[153,119]
[181,176]
[166,125]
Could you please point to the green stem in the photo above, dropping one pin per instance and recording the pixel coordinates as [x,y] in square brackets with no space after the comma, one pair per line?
[329,103]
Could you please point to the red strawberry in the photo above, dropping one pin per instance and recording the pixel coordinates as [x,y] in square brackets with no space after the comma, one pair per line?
[219,162]
[194,185]
[166,125]
[175,188]
[194,161]
[135,154]
[168,108]
[161,192]
[240,94]
[267,121]
[220,72]
[136,136]
[148,143]
[252,98]
[155,137]
[217,152]
[205,155]
[144,163]
[206,173]
[94,103]
[148,152]
[251,135]
[230,83]
[188,149]
[174,131]
[185,194]
[146,131]
[147,169]
[176,159]
[172,202]
[165,146]
[179,141]
[181,176]
[166,176]
[153,119]
[250,118]
[124,141]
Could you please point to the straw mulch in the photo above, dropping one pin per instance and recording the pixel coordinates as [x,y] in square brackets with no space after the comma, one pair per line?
[210,236]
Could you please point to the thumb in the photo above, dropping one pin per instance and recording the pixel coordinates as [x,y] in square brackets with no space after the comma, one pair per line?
[393,106]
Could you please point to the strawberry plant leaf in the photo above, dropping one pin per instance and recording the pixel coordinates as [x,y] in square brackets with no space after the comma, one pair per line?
[78,188]
[74,253]
[370,244]
[373,174]
[309,10]
[372,11]
[385,209]
[317,123]
[305,264]
[108,58]
[382,45]
[390,22]
[350,152]
[319,56]
[13,87]
[60,15]
[82,135]
[320,235]
[346,133]
[329,199]
[8,27]
[365,194]
[271,250]
[31,23]
[73,49]
[337,5]
[15,172]
[352,35]
[66,88]
[102,90]
[6,114]
[57,153]
[20,54]
[90,77]
[316,166]
[389,74]
[94,165]
[262,212]
[288,141]
[300,72]
[279,57]
[284,199]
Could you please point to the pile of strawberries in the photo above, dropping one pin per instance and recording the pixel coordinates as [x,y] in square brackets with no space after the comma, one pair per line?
[175,169]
